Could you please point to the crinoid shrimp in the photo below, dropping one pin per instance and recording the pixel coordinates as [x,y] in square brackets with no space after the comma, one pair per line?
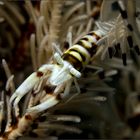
[68,66]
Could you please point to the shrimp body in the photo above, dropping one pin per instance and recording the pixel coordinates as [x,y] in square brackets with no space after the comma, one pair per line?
[69,65]
[76,58]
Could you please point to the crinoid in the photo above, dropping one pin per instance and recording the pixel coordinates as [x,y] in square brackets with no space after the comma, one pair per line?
[85,84]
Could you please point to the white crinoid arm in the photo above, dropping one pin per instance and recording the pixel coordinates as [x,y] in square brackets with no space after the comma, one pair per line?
[60,92]
[29,83]
[50,102]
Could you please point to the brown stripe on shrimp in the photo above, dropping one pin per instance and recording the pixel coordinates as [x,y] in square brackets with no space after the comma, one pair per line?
[94,35]
[91,48]
[83,50]
[73,61]
[82,56]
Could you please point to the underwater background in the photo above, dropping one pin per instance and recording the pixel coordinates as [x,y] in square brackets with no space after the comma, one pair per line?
[107,105]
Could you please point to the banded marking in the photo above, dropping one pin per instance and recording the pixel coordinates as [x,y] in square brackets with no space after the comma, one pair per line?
[91,50]
[130,41]
[82,56]
[82,50]
[124,14]
[73,61]
[136,47]
[122,9]
[79,54]
[75,54]
[97,36]
[124,58]
[110,51]
[89,38]
[85,44]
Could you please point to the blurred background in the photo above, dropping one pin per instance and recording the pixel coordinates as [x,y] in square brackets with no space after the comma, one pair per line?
[108,105]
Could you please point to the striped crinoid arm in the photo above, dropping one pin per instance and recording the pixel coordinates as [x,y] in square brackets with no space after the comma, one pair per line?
[20,118]
[36,106]
[126,32]
[11,125]
[19,127]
